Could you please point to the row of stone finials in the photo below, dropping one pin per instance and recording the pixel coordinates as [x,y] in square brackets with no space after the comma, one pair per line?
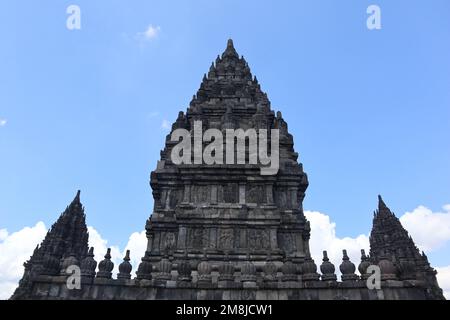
[289,270]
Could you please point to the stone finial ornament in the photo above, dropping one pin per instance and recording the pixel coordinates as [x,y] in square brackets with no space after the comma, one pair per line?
[327,269]
[125,267]
[105,266]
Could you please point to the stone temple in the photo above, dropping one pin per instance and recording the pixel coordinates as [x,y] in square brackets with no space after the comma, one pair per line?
[224,231]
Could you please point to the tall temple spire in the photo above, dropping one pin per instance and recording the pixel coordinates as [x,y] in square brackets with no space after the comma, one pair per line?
[229,98]
[67,236]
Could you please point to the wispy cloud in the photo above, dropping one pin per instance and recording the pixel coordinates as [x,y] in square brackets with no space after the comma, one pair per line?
[2,122]
[153,114]
[165,125]
[149,34]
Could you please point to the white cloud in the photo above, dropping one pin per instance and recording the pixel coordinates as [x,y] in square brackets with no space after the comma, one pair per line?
[430,230]
[3,122]
[3,234]
[137,244]
[15,249]
[165,125]
[443,277]
[150,33]
[101,245]
[323,237]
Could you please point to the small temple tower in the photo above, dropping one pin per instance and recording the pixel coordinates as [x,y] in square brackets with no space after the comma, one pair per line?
[67,238]
[389,241]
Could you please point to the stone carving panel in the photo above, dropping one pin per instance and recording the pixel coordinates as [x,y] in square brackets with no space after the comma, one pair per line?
[258,239]
[198,238]
[200,194]
[286,241]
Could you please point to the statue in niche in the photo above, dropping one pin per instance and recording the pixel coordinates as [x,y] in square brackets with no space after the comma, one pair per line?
[286,241]
[265,239]
[230,193]
[169,242]
[226,238]
[261,239]
[201,194]
[257,239]
[199,238]
[255,194]
[204,193]
[174,198]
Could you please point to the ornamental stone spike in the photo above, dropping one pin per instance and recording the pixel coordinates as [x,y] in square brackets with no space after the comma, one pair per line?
[364,264]
[105,266]
[88,265]
[347,268]
[327,269]
[125,267]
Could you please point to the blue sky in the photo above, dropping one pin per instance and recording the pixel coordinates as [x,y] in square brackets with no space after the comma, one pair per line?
[369,110]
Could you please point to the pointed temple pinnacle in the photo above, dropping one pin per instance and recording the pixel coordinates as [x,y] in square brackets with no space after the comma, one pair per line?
[230,51]
[74,205]
[381,204]
[77,197]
